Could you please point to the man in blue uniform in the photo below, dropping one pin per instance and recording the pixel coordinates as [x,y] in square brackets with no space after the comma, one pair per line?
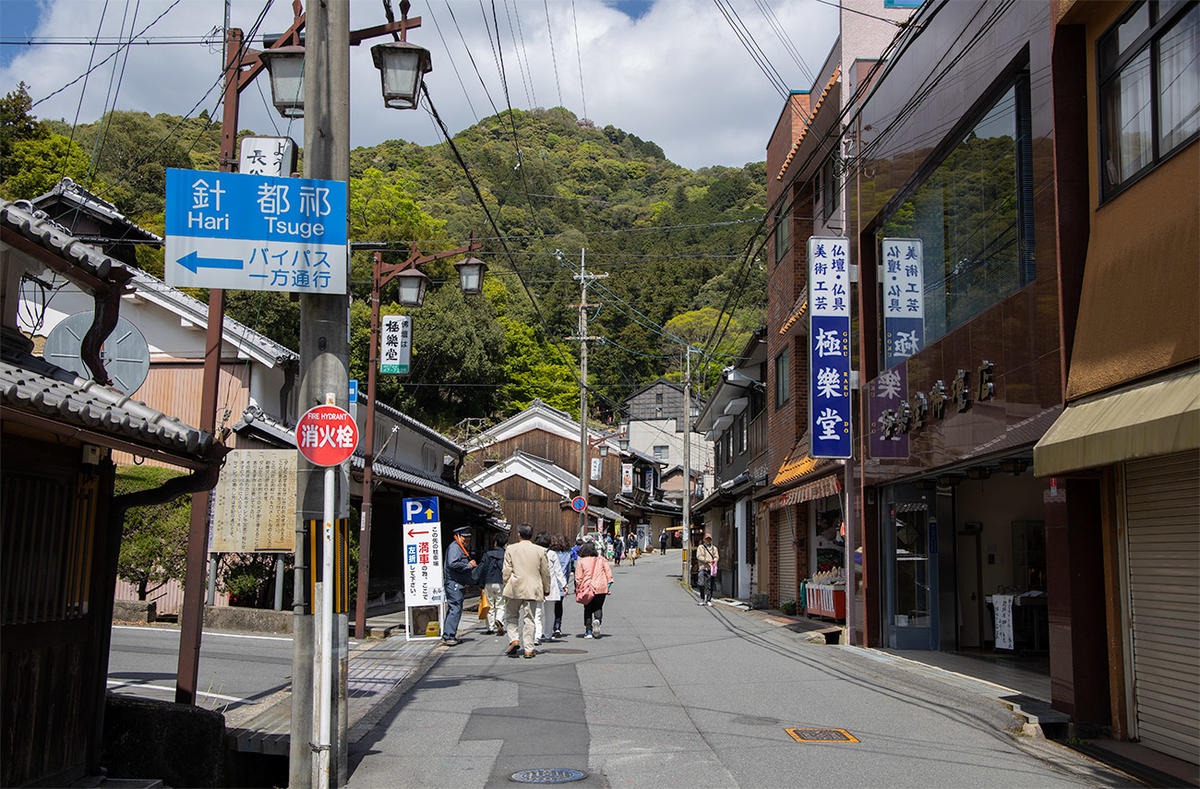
[458,575]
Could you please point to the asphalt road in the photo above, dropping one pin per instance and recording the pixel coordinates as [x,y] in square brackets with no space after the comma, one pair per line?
[236,669]
[677,695]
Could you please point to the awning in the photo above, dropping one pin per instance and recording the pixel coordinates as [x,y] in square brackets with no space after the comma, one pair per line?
[817,489]
[1159,417]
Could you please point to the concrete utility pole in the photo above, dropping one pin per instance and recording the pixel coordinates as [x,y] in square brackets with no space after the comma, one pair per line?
[584,472]
[687,465]
[324,361]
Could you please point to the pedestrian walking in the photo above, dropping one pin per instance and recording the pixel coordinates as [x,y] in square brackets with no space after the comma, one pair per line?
[707,556]
[631,547]
[459,565]
[662,542]
[593,581]
[490,575]
[526,584]
[618,550]
[558,587]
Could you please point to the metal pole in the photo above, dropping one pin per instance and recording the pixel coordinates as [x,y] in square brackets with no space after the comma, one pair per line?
[324,347]
[584,476]
[325,675]
[279,582]
[687,465]
[191,625]
[364,534]
[851,579]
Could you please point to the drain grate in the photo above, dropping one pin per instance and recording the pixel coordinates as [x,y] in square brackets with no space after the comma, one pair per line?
[821,735]
[556,775]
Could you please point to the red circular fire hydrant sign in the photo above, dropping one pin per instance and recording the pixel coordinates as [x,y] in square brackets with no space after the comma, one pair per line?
[326,435]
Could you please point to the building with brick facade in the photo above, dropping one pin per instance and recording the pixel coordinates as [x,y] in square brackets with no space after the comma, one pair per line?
[799,514]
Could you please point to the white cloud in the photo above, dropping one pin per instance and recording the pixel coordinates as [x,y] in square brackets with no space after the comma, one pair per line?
[677,75]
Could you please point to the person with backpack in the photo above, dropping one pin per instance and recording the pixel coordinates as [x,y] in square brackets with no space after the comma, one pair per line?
[490,575]
[593,581]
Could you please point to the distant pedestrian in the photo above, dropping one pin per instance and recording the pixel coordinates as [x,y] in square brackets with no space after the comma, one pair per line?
[459,565]
[662,541]
[593,580]
[618,550]
[707,556]
[526,584]
[558,587]
[631,547]
[490,574]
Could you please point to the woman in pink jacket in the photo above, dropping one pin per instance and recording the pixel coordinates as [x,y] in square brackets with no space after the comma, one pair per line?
[592,573]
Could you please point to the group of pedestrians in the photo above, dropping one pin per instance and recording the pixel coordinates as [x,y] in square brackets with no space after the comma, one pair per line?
[525,583]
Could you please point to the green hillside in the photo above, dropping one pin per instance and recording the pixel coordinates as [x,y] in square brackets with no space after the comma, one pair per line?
[672,242]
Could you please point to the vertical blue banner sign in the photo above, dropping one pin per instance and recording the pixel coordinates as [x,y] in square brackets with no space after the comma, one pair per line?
[829,348]
[903,299]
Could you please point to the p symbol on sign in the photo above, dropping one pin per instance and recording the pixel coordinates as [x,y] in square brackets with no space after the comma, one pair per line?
[412,509]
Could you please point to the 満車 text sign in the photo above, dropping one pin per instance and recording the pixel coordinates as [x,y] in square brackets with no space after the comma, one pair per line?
[422,553]
[903,299]
[829,348]
[255,232]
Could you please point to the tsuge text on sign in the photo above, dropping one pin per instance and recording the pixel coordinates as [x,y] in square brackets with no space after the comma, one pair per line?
[255,232]
[326,435]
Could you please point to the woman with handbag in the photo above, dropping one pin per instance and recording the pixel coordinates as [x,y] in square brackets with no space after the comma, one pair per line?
[707,556]
[593,580]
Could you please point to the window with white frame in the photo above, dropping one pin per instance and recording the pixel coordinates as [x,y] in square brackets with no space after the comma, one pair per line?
[1149,84]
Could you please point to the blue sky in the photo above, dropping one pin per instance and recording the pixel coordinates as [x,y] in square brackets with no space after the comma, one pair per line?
[670,71]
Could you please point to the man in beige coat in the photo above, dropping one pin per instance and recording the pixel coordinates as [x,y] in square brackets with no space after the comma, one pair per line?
[526,584]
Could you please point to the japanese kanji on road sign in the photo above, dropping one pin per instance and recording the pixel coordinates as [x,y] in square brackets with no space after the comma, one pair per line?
[422,553]
[255,232]
[326,435]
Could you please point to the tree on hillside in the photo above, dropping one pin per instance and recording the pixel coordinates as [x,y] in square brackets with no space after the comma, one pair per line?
[154,540]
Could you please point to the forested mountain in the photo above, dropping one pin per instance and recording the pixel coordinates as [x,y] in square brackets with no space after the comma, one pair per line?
[671,241]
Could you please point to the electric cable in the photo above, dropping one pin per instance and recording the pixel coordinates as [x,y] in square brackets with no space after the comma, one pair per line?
[553,57]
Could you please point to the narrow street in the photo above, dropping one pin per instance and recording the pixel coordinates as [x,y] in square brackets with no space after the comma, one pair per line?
[674,694]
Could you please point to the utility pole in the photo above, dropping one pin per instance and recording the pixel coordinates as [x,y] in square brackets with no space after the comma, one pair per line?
[687,466]
[584,475]
[324,359]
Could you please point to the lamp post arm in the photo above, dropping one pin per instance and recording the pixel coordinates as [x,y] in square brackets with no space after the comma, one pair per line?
[386,271]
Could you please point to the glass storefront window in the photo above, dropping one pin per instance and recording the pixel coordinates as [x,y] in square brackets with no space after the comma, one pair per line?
[911,541]
[974,217]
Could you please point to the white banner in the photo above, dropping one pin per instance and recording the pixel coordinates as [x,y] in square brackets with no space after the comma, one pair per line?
[395,344]
[627,478]
[423,583]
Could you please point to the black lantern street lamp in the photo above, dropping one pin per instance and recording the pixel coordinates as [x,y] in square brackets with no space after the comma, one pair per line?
[286,67]
[470,276]
[402,66]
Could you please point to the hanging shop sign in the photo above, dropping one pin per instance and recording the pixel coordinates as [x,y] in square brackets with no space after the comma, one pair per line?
[829,409]
[268,156]
[627,478]
[903,299]
[395,345]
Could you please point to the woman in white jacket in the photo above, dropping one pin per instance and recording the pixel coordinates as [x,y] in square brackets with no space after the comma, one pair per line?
[558,584]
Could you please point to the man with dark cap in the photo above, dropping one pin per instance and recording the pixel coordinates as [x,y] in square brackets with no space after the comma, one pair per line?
[458,575]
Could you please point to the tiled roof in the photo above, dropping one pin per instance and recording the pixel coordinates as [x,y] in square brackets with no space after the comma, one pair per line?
[417,481]
[22,218]
[798,310]
[73,192]
[32,385]
[833,78]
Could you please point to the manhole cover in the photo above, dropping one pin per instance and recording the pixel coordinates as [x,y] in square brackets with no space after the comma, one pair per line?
[562,651]
[557,775]
[821,735]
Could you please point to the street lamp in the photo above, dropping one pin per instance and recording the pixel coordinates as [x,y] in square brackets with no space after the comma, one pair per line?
[470,276]
[402,66]
[286,67]
[412,283]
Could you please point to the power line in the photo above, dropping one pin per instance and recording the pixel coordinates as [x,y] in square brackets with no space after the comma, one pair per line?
[579,59]
[553,57]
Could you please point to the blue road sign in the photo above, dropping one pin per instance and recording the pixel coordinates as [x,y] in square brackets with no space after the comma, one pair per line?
[422,510]
[353,390]
[255,232]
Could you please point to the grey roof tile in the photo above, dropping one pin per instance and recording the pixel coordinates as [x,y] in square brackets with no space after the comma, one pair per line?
[34,225]
[31,384]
